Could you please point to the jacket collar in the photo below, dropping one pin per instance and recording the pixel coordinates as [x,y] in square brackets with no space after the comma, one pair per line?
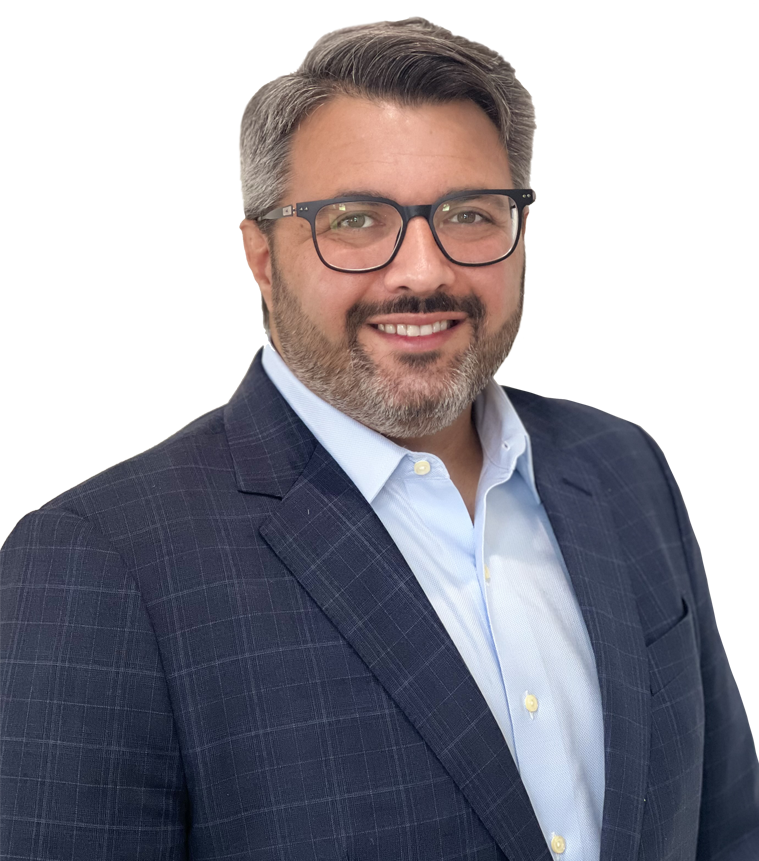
[270,445]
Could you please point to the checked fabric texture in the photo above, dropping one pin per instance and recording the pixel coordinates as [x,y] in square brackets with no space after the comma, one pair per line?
[215,651]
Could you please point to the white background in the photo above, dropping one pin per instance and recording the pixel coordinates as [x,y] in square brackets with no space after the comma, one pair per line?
[93,301]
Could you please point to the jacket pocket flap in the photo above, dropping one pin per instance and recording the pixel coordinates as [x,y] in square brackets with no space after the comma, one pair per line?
[673,653]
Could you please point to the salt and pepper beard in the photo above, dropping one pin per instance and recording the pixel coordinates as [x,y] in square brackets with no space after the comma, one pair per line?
[418,395]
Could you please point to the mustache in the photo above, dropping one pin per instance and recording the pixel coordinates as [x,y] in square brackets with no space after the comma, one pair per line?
[360,312]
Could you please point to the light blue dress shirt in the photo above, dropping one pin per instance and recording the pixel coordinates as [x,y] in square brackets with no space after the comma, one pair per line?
[500,588]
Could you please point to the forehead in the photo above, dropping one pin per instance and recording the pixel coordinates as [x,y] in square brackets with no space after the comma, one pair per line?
[412,154]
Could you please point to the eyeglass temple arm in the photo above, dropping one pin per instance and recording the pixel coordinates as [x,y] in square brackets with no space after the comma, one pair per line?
[280,212]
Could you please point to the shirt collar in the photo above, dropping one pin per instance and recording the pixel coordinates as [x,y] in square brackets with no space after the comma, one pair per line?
[505,442]
[369,459]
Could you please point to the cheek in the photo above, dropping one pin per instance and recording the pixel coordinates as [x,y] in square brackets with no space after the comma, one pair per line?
[500,290]
[324,296]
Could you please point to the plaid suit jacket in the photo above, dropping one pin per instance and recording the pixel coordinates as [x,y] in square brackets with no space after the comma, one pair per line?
[215,651]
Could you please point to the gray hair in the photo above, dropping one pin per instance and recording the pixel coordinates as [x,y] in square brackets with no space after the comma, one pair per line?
[408,62]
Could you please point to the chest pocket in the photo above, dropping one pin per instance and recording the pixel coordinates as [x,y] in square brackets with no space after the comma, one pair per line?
[674,653]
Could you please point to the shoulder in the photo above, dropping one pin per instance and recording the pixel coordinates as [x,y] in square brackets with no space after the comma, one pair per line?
[630,466]
[570,424]
[131,497]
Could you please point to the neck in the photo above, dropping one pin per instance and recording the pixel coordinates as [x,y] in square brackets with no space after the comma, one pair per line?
[458,446]
[450,443]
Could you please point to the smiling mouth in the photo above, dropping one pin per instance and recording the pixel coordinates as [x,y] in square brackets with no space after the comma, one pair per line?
[409,330]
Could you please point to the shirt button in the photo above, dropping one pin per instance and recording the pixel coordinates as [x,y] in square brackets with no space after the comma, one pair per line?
[531,704]
[421,467]
[558,844]
[487,574]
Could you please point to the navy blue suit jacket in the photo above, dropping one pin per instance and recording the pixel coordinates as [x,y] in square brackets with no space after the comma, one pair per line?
[214,650]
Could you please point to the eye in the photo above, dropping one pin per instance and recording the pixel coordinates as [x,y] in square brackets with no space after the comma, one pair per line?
[353,221]
[467,216]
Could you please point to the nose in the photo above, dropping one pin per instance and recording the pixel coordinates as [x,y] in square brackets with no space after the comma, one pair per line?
[419,266]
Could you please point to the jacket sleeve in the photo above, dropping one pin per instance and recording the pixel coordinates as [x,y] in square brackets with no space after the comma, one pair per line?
[729,819]
[91,766]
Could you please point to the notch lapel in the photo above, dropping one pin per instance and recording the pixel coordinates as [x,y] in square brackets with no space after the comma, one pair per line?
[582,521]
[329,537]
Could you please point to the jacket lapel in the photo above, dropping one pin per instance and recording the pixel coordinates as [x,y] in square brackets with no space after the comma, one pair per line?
[328,536]
[331,540]
[582,521]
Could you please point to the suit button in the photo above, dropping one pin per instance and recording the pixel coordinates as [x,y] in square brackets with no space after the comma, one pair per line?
[421,467]
[558,844]
[531,704]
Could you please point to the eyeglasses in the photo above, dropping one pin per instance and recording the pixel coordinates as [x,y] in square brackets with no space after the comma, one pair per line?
[361,234]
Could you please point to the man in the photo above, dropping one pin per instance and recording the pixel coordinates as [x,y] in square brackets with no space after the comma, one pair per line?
[376,607]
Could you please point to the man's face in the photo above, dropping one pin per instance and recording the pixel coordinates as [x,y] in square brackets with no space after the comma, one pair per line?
[325,323]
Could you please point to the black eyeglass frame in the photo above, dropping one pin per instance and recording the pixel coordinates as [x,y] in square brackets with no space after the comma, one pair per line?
[309,209]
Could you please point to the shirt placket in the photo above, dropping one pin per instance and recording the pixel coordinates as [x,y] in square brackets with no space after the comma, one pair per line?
[538,745]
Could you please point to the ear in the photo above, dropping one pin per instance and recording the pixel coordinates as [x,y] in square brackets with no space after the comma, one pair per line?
[258,255]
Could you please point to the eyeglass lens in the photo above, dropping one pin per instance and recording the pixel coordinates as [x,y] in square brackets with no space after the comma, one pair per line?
[357,235]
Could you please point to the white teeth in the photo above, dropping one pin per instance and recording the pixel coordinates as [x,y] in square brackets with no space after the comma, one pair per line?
[411,331]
